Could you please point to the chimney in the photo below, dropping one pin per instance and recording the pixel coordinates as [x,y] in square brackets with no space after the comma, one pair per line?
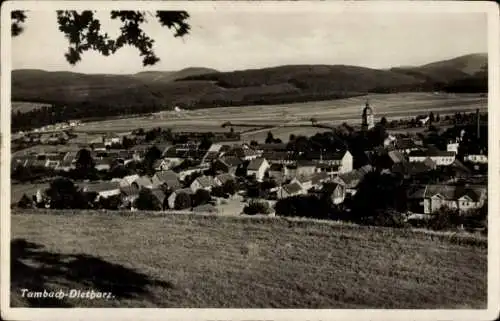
[477,122]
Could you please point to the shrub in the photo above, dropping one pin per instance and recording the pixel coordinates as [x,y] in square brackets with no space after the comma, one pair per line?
[146,201]
[201,197]
[182,201]
[25,202]
[257,207]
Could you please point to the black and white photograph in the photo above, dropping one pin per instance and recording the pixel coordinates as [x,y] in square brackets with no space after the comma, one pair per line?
[313,156]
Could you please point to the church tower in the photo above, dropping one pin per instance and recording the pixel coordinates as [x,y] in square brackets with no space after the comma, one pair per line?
[367,121]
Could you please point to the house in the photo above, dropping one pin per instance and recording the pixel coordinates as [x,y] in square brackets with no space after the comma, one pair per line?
[160,196]
[103,164]
[304,181]
[203,182]
[328,169]
[191,170]
[305,168]
[129,194]
[336,191]
[226,164]
[103,189]
[98,147]
[171,199]
[65,165]
[462,198]
[212,153]
[290,190]
[441,158]
[280,157]
[415,198]
[167,163]
[351,180]
[221,179]
[406,145]
[112,140]
[143,182]
[319,178]
[243,152]
[128,180]
[258,167]
[476,158]
[453,146]
[168,178]
[409,169]
[343,159]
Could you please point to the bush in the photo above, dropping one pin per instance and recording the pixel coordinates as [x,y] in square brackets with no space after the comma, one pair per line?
[445,218]
[201,197]
[256,207]
[25,202]
[146,201]
[182,201]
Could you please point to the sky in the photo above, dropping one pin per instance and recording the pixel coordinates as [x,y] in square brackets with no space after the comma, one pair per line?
[236,40]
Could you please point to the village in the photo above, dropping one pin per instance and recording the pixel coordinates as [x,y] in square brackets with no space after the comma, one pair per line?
[214,173]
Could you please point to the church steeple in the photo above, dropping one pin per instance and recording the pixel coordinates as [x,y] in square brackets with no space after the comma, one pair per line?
[367,121]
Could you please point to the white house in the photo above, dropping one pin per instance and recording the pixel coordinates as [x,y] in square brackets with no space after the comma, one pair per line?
[128,180]
[453,146]
[343,160]
[441,158]
[476,158]
[463,198]
[305,182]
[103,189]
[258,167]
[203,182]
[289,190]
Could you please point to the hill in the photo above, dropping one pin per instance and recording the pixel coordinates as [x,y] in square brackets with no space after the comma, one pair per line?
[448,71]
[196,261]
[82,95]
[168,76]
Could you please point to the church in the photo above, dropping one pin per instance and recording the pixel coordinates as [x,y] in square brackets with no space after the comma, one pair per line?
[367,118]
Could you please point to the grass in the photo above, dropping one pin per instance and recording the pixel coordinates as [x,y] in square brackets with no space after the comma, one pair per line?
[24,106]
[199,261]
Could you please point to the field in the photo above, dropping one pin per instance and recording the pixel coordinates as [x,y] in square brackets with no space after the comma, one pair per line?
[391,106]
[203,261]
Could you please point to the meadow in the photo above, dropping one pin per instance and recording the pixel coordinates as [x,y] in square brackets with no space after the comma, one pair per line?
[24,106]
[391,106]
[205,261]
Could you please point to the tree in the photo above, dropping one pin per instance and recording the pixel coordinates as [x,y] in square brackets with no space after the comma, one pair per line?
[152,155]
[25,202]
[63,194]
[201,197]
[84,161]
[291,138]
[83,31]
[313,121]
[182,201]
[383,121]
[270,138]
[146,201]
[257,207]
[229,187]
[254,143]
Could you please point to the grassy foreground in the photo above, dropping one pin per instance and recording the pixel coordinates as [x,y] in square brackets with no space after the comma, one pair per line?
[197,261]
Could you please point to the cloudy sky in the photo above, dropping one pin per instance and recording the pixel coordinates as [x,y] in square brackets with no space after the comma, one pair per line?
[230,40]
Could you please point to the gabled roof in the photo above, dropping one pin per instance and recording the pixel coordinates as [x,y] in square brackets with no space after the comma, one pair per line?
[130,179]
[450,192]
[102,186]
[276,167]
[396,156]
[205,181]
[255,164]
[183,190]
[169,177]
[231,161]
[273,147]
[143,181]
[292,188]
[129,190]
[223,178]
[319,177]
[159,194]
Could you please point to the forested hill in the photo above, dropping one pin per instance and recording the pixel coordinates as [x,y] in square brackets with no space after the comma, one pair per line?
[77,95]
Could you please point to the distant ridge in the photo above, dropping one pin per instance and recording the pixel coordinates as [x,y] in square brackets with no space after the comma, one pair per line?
[199,87]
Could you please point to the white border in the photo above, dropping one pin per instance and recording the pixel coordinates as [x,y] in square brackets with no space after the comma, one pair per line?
[263,314]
